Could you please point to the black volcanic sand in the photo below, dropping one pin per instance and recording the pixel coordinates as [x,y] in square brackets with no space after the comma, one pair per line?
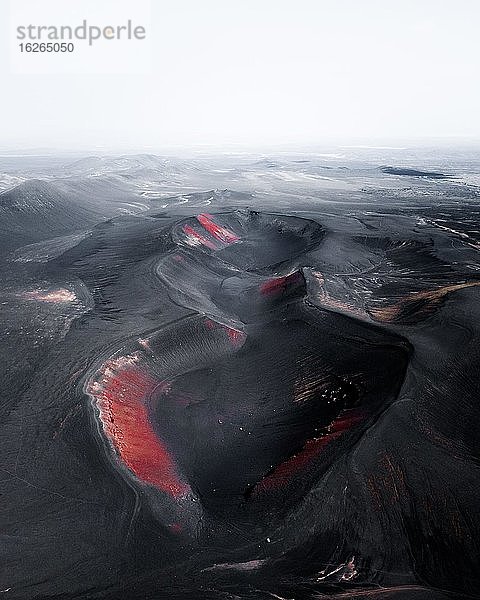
[389,509]
[414,173]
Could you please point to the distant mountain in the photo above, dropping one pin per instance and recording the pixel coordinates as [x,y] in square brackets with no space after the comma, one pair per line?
[133,162]
[113,163]
[267,163]
[36,210]
[31,195]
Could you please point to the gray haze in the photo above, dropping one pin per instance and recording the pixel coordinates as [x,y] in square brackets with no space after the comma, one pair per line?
[256,72]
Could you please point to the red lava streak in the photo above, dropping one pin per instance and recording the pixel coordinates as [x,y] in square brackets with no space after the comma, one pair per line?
[283,474]
[196,238]
[220,233]
[120,395]
[280,284]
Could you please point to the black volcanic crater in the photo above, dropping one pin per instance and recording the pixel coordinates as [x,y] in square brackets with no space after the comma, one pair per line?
[249,240]
[251,415]
[240,376]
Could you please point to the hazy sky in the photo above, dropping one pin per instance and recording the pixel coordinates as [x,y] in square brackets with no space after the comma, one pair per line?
[260,72]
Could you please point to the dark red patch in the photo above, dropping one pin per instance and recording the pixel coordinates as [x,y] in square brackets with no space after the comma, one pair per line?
[236,336]
[280,284]
[286,471]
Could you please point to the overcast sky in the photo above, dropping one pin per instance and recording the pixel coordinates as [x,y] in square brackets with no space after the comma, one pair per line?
[261,72]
